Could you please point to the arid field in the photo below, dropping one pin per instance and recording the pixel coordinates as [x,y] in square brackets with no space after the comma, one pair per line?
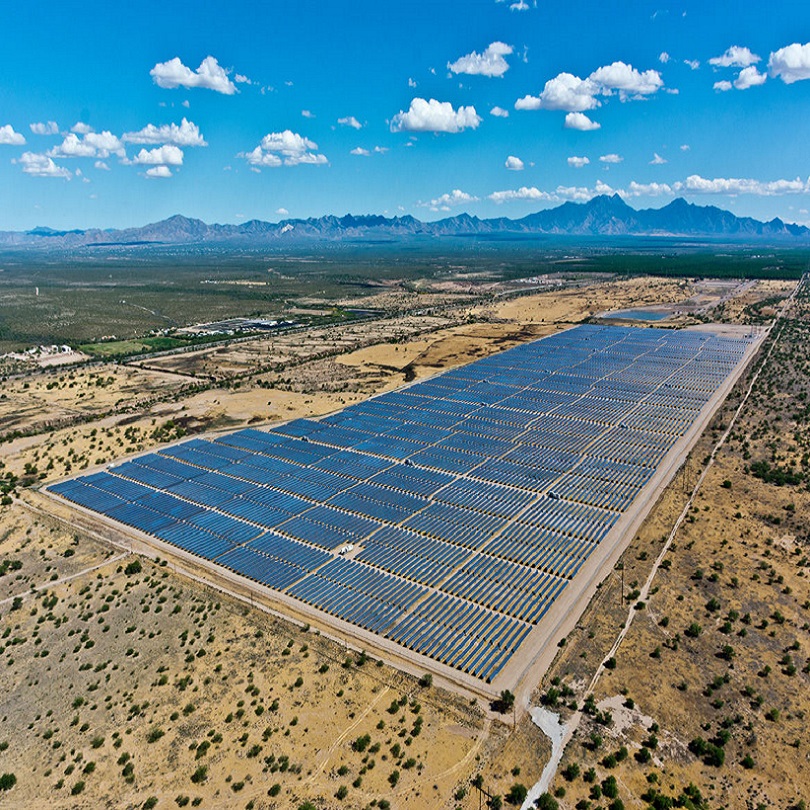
[126,684]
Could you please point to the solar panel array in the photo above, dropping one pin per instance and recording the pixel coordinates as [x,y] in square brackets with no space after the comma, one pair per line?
[472,499]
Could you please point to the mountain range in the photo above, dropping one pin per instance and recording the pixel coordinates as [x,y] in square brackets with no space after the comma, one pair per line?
[601,216]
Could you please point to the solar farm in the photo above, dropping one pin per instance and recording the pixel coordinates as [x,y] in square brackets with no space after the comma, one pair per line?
[445,517]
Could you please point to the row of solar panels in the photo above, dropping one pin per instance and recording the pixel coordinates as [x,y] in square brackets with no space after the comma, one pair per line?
[469,519]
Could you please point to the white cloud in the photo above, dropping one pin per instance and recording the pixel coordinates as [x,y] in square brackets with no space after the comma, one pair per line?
[80,128]
[186,133]
[380,150]
[657,160]
[51,128]
[734,186]
[499,112]
[241,79]
[489,63]
[749,77]
[513,163]
[168,154]
[411,83]
[454,198]
[159,171]
[791,64]
[100,164]
[350,121]
[307,114]
[578,162]
[735,56]
[663,57]
[694,64]
[9,137]
[287,148]
[560,194]
[611,158]
[434,116]
[42,166]
[723,86]
[580,121]
[522,193]
[573,94]
[635,189]
[209,75]
[282,212]
[358,150]
[93,144]
[685,147]
[520,5]
[625,79]
[564,92]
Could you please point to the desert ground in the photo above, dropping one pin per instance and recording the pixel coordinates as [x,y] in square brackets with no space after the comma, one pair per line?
[127,684]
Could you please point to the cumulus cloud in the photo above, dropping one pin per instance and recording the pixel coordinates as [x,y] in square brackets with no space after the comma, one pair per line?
[93,144]
[10,137]
[635,189]
[564,92]
[580,121]
[523,193]
[663,57]
[735,186]
[80,128]
[307,114]
[572,94]
[358,150]
[42,166]
[611,158]
[282,212]
[489,63]
[434,116]
[454,198]
[723,86]
[625,79]
[209,75]
[560,194]
[578,162]
[49,128]
[168,155]
[791,64]
[513,163]
[735,56]
[186,133]
[749,77]
[100,164]
[159,171]
[693,185]
[657,160]
[499,112]
[685,147]
[350,121]
[694,64]
[284,148]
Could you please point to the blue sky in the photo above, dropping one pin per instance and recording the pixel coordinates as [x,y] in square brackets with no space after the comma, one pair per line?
[235,111]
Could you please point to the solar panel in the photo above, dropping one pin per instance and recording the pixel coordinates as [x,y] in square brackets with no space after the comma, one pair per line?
[467,502]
